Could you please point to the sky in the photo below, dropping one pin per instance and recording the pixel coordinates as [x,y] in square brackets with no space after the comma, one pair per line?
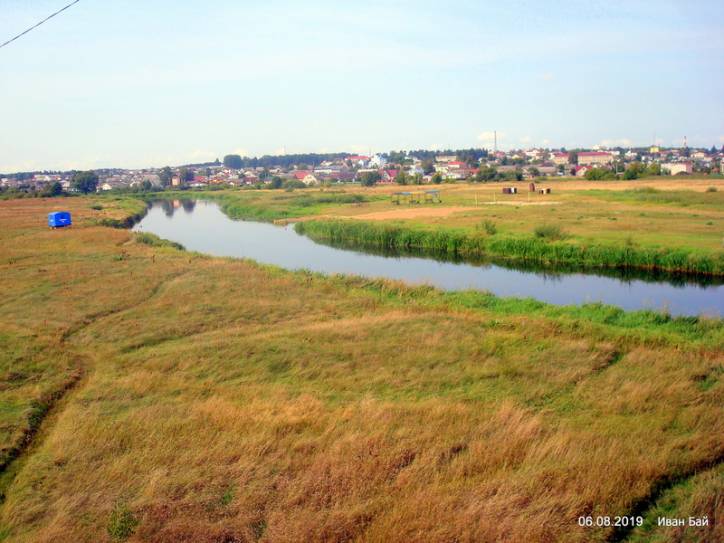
[145,84]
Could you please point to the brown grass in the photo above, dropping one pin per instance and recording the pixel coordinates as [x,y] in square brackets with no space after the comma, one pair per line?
[225,401]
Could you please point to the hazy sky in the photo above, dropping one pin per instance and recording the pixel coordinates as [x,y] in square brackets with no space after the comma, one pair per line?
[147,83]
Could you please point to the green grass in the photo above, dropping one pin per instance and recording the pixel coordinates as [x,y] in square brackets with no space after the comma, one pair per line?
[651,195]
[226,400]
[538,249]
[154,241]
[270,205]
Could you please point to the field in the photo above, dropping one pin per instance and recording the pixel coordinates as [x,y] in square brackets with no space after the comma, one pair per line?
[663,225]
[151,394]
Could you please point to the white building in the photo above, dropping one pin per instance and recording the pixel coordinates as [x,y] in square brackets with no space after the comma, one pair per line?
[677,167]
[377,161]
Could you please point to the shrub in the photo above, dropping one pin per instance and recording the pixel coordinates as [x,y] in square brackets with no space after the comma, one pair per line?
[154,241]
[549,231]
[711,189]
[489,227]
[122,523]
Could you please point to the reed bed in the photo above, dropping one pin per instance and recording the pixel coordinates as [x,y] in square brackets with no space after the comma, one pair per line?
[538,249]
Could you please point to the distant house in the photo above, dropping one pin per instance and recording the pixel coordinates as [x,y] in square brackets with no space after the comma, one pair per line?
[106,186]
[545,170]
[675,168]
[360,160]
[377,161]
[389,176]
[306,177]
[581,171]
[560,158]
[445,158]
[587,158]
[299,175]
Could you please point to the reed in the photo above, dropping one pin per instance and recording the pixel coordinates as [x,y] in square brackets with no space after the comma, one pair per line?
[537,249]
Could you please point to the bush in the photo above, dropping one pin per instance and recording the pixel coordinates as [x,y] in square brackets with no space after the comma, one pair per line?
[711,189]
[154,241]
[294,184]
[122,523]
[489,227]
[549,231]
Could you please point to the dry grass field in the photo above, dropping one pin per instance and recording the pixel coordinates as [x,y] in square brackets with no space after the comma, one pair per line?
[150,394]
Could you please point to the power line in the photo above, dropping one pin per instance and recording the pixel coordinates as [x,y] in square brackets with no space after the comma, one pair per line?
[38,24]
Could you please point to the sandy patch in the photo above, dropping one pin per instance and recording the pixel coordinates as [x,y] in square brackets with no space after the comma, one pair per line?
[516,203]
[410,213]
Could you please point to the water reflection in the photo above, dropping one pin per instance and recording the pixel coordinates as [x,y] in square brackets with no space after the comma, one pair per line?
[204,227]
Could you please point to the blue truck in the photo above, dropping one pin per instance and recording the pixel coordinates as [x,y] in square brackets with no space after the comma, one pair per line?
[59,219]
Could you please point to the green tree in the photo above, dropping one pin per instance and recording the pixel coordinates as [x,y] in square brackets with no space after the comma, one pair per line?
[402,178]
[654,169]
[428,166]
[186,175]
[146,186]
[85,182]
[233,162]
[535,172]
[369,179]
[486,173]
[629,174]
[573,158]
[437,178]
[597,174]
[54,189]
[165,175]
[276,182]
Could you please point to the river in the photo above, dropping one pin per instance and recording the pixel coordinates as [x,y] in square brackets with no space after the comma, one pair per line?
[202,226]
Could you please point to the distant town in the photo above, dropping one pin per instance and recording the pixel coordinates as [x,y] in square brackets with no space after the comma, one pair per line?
[401,167]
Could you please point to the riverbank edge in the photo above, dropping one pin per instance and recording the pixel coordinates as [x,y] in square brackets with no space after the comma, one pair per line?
[461,245]
[640,326]
[543,252]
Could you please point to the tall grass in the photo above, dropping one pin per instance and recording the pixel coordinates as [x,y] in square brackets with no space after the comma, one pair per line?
[651,195]
[533,249]
[229,401]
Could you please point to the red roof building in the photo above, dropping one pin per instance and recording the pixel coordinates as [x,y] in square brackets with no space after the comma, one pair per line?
[301,174]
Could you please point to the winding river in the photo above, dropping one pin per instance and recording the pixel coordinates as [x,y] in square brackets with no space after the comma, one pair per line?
[202,226]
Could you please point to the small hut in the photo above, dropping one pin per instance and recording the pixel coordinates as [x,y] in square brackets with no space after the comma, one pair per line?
[59,219]
[432,197]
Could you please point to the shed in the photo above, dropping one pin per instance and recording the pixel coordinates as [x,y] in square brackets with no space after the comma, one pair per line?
[432,196]
[59,219]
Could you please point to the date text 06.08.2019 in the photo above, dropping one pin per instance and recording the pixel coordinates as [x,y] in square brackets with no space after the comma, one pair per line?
[616,522]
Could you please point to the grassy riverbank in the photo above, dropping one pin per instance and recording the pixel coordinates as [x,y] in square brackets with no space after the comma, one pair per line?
[224,400]
[652,225]
[545,247]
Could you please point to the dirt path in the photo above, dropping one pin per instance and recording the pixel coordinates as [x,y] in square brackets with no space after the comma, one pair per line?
[410,213]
